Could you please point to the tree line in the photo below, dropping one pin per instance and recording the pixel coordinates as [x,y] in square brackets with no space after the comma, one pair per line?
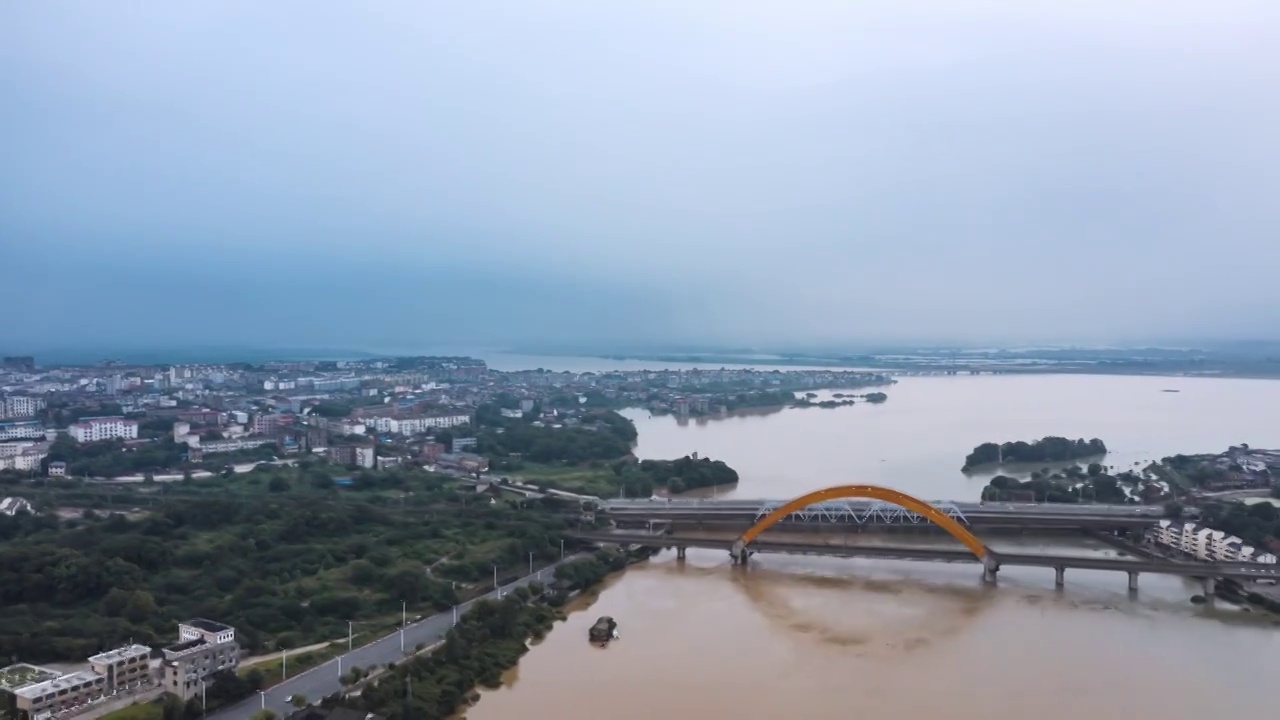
[1048,449]
[284,570]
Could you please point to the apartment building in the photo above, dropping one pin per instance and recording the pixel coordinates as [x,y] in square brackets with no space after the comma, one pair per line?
[20,406]
[104,428]
[210,447]
[424,423]
[1204,543]
[21,430]
[204,647]
[59,694]
[124,667]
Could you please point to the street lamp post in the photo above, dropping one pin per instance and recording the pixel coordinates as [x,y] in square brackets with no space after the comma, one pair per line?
[204,708]
[262,694]
[350,634]
[284,666]
[530,562]
[495,577]
[561,548]
[404,617]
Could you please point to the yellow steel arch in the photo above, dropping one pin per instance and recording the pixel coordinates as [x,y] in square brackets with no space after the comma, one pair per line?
[874,492]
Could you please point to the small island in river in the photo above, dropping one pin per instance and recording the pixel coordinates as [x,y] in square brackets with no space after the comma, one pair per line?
[1048,449]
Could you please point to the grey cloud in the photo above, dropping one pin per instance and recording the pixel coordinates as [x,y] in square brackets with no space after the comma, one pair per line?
[748,173]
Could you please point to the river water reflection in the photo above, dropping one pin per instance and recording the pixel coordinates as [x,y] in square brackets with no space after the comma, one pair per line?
[797,637]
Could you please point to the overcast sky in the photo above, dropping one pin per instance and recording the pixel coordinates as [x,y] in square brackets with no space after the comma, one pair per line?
[405,173]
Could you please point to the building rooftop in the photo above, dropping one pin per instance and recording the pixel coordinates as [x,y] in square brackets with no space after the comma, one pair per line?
[185,645]
[207,625]
[122,653]
[71,680]
[22,675]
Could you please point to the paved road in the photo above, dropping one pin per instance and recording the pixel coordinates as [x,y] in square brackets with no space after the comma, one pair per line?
[322,680]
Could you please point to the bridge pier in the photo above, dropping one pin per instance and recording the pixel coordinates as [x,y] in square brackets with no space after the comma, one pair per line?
[989,569]
[1060,576]
[1210,586]
[1133,581]
[680,552]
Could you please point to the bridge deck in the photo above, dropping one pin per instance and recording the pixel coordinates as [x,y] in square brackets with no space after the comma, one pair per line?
[1238,571]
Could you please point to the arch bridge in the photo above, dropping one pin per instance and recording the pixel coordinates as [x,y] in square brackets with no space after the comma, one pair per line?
[888,501]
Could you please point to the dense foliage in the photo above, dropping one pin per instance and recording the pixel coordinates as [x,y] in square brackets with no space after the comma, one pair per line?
[686,473]
[488,640]
[110,458]
[1049,449]
[602,436]
[1254,524]
[285,567]
[585,573]
[1070,486]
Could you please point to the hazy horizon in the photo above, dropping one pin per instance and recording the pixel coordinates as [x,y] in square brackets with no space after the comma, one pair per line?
[719,174]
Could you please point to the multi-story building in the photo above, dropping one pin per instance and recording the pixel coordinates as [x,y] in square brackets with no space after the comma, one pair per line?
[461,444]
[366,456]
[124,667]
[21,430]
[1205,543]
[19,363]
[20,406]
[204,647]
[28,692]
[234,444]
[424,423]
[104,428]
[27,460]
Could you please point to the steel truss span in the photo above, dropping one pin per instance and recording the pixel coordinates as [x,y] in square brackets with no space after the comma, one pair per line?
[830,503]
[859,513]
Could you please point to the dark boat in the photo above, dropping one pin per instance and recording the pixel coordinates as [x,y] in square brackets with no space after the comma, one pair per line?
[603,631]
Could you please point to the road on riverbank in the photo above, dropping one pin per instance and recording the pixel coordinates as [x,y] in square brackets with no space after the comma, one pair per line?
[323,680]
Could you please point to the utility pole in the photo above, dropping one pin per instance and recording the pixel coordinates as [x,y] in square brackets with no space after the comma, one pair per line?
[204,708]
[495,577]
[350,634]
[561,548]
[263,695]
[284,670]
[530,562]
[404,619]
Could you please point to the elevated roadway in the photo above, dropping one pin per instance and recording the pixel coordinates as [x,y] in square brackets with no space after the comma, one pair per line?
[870,512]
[1060,563]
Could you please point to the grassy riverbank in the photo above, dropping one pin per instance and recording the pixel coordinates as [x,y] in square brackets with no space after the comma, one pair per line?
[489,640]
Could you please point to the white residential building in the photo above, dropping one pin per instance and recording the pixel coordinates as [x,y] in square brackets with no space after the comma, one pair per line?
[1205,543]
[22,430]
[233,444]
[424,423]
[366,457]
[19,406]
[27,460]
[104,428]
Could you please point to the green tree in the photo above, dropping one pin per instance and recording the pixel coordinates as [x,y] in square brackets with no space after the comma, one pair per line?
[298,700]
[263,715]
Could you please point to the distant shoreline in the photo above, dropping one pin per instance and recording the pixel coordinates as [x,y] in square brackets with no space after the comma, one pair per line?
[1250,371]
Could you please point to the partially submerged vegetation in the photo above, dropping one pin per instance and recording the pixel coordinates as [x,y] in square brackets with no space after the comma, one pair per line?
[1048,449]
